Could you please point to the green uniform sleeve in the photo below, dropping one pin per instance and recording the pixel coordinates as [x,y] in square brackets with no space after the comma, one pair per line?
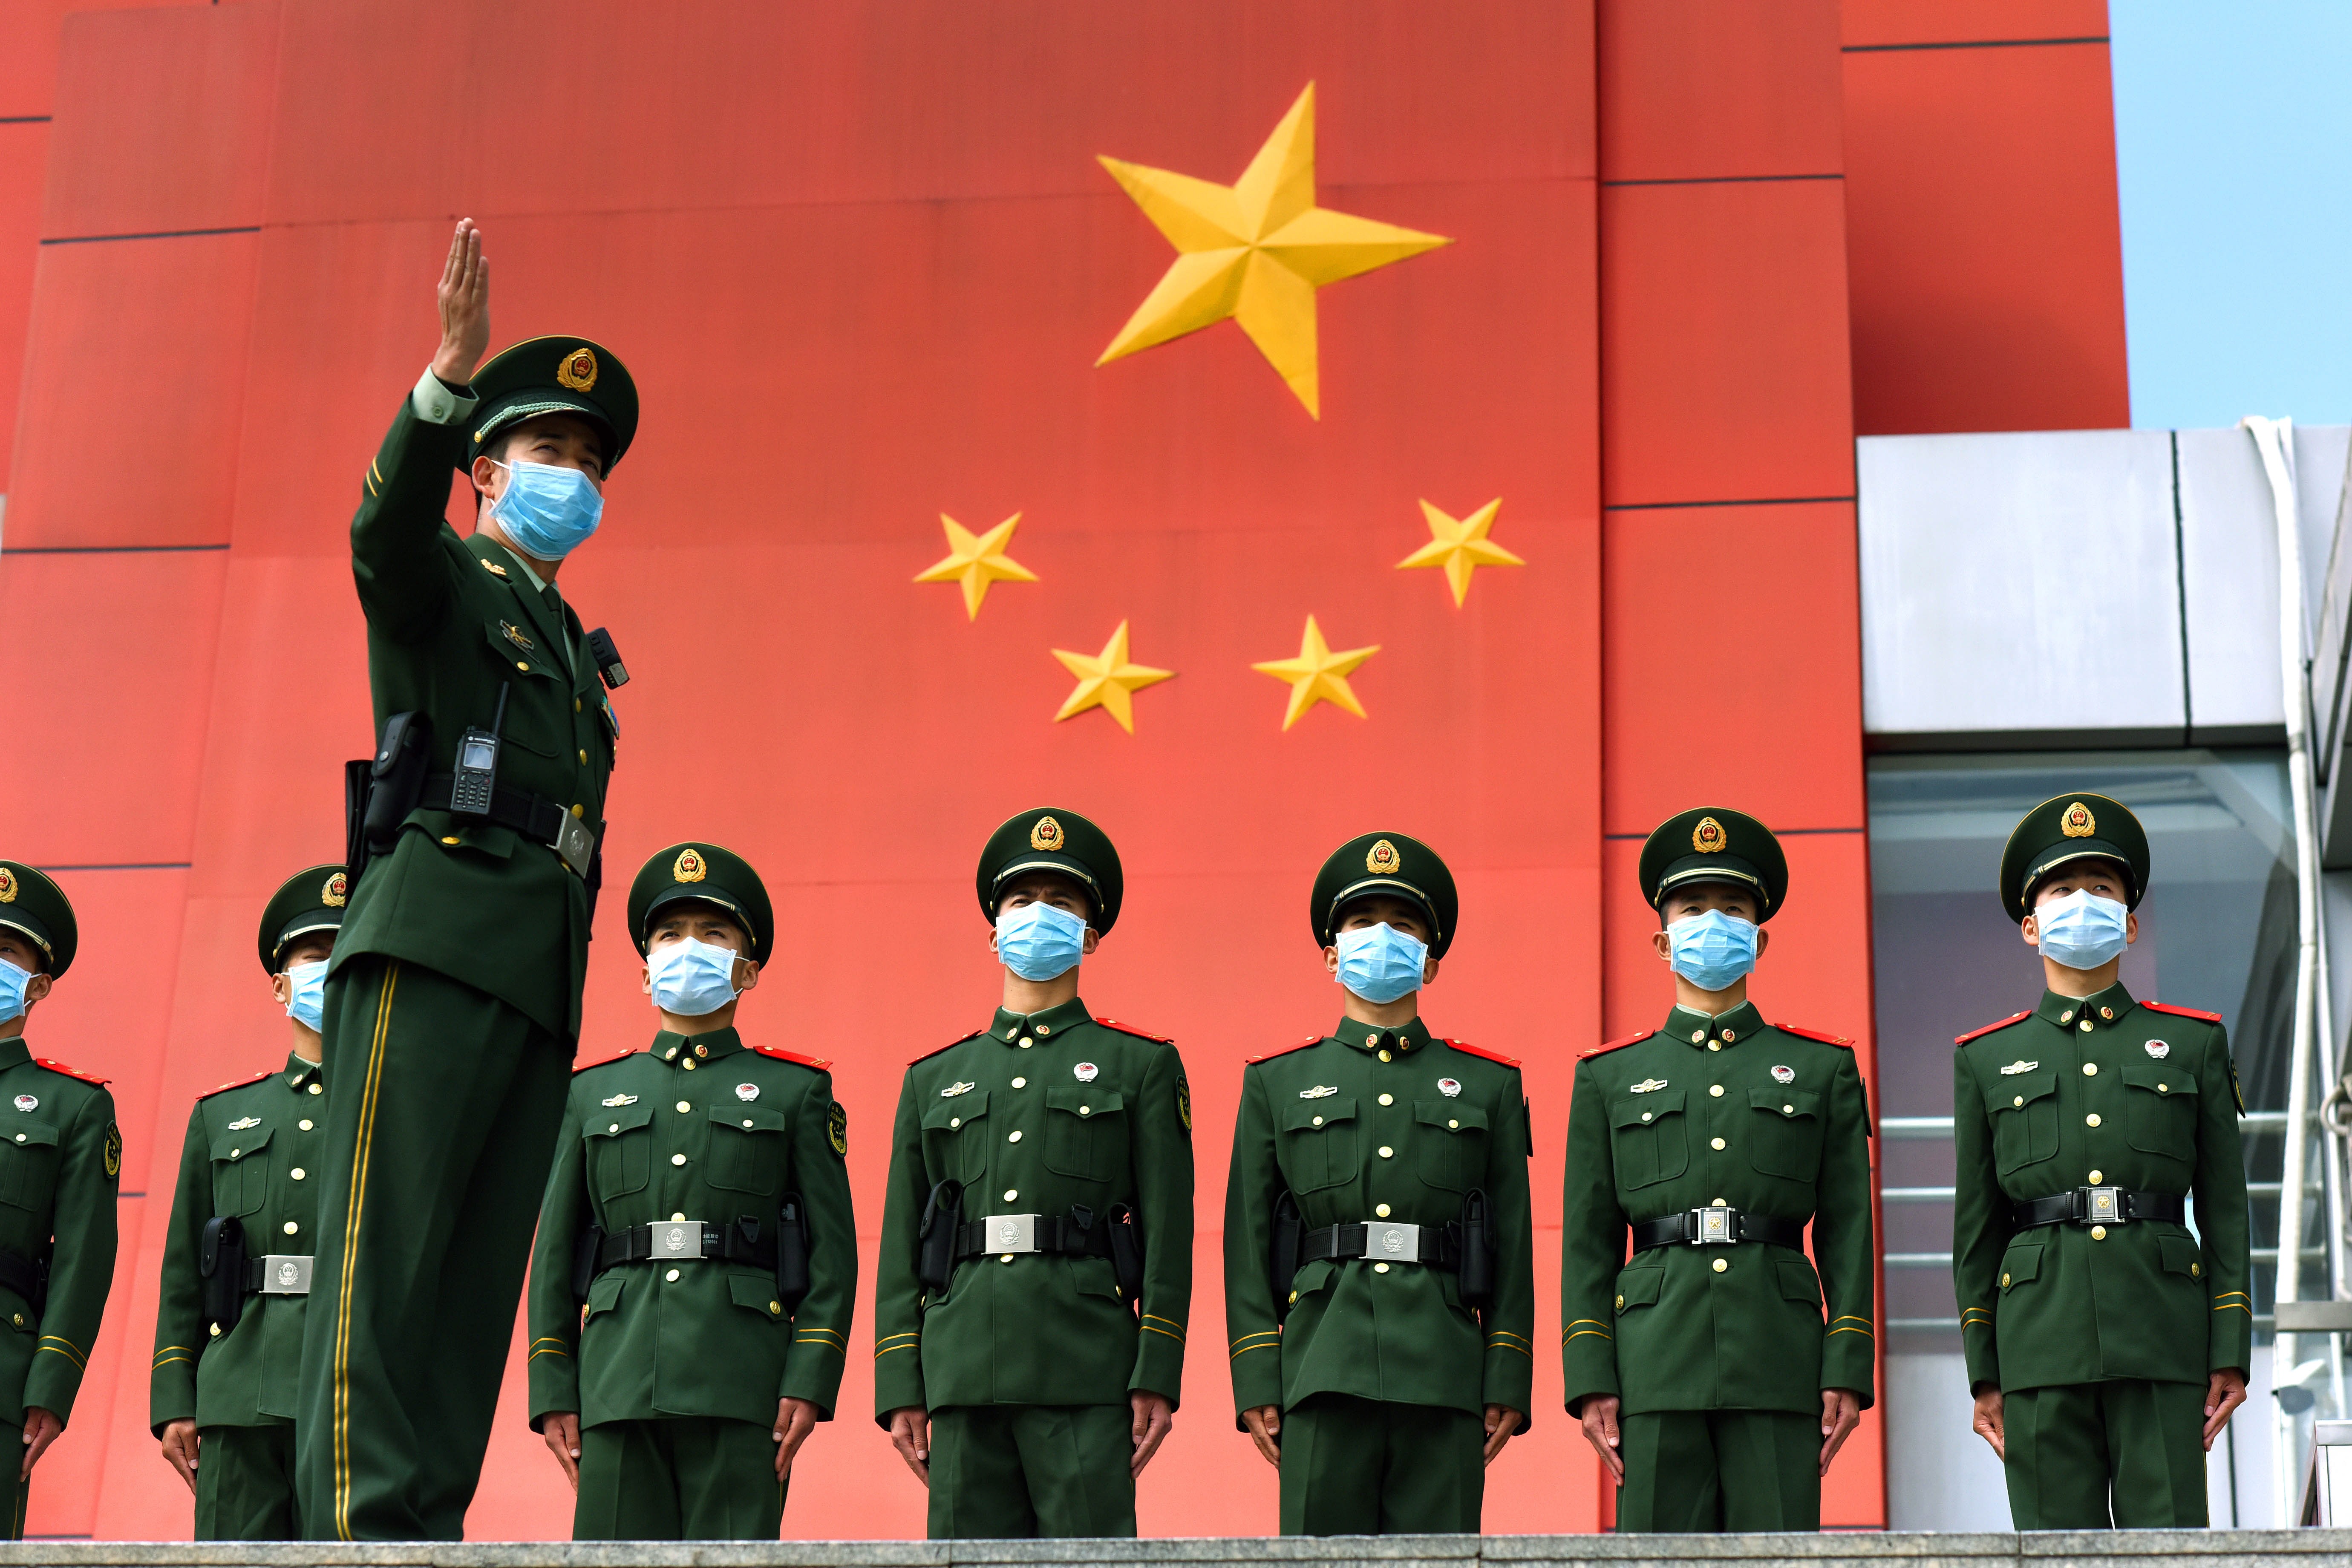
[82,1268]
[1592,1249]
[821,1327]
[1162,1155]
[898,1292]
[2223,1219]
[554,1361]
[179,1297]
[1510,1323]
[1842,1240]
[1253,1186]
[407,583]
[1980,1225]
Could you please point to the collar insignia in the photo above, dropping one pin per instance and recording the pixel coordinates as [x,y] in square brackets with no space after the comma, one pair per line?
[2013,1068]
[1648,1086]
[1320,1091]
[622,1099]
[494,569]
[239,1125]
[959,1087]
[2160,1050]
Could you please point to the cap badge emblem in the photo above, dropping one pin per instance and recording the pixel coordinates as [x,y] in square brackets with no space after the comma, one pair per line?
[622,1099]
[337,890]
[1648,1086]
[1085,1072]
[747,1092]
[239,1125]
[1045,835]
[689,867]
[7,886]
[1707,837]
[578,370]
[1383,860]
[1449,1087]
[1320,1091]
[2013,1068]
[1784,1075]
[2076,821]
[2160,1050]
[959,1087]
[28,1102]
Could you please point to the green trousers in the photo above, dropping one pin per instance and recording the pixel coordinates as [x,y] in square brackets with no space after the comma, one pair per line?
[16,1509]
[245,1483]
[1005,1471]
[1705,1470]
[2075,1450]
[1369,1467]
[684,1477]
[442,1104]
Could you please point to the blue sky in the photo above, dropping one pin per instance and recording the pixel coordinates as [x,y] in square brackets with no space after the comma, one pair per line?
[2233,147]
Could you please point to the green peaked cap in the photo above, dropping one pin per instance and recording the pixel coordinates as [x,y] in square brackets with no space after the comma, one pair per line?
[2069,827]
[1392,863]
[34,906]
[1715,844]
[555,375]
[311,900]
[703,873]
[1050,839]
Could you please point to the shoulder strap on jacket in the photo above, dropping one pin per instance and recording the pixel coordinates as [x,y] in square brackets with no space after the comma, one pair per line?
[1989,1028]
[1613,1045]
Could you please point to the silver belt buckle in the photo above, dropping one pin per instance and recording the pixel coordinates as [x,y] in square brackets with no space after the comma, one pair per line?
[1392,1243]
[1010,1233]
[2102,1205]
[574,846]
[286,1274]
[1715,1227]
[676,1238]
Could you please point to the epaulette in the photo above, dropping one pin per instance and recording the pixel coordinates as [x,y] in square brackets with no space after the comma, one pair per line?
[1815,1035]
[602,1061]
[223,1088]
[782,1055]
[1481,1051]
[70,1072]
[1285,1050]
[952,1045]
[1989,1028]
[2201,1016]
[1613,1045]
[1132,1029]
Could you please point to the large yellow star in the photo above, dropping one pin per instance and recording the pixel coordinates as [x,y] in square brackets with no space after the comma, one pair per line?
[1460,547]
[1106,680]
[976,561]
[1256,250]
[1317,674]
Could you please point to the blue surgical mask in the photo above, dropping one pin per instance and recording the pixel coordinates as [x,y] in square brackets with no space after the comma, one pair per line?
[1038,942]
[13,981]
[692,978]
[1381,964]
[309,1003]
[2081,930]
[1713,951]
[548,511]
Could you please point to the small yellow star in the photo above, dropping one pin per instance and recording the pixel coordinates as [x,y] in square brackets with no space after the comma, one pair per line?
[1256,250]
[976,561]
[1106,680]
[1317,674]
[1460,547]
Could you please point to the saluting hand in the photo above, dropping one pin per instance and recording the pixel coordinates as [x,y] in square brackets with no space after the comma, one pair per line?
[464,300]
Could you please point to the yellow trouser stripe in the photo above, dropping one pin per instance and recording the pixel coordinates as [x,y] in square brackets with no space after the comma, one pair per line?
[342,1424]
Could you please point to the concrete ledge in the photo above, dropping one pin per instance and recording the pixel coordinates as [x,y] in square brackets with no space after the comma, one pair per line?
[2056,1549]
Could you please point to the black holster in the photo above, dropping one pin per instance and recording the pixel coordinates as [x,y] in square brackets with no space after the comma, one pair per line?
[1127,1253]
[1477,1276]
[379,792]
[583,1261]
[1290,1231]
[935,1245]
[220,1263]
[791,1253]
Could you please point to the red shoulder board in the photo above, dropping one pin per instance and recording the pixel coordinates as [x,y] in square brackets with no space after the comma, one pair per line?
[223,1088]
[1478,1051]
[1989,1028]
[935,1051]
[2201,1017]
[1285,1050]
[1628,1040]
[784,1056]
[1132,1029]
[70,1072]
[1815,1035]
[600,1061]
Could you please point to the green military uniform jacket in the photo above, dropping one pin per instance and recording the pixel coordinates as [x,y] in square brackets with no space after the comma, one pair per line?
[2103,1090]
[1035,1114]
[60,1165]
[700,1127]
[1709,1111]
[1364,1125]
[450,622]
[252,1151]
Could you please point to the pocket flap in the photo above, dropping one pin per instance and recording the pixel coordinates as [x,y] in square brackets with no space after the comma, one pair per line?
[604,1292]
[2021,1262]
[1450,1114]
[2160,1078]
[520,650]
[1639,1288]
[1311,1278]
[2017,1090]
[953,1113]
[756,1292]
[1309,1114]
[1083,1099]
[228,1146]
[2180,1255]
[612,1119]
[1788,1103]
[1798,1282]
[751,1118]
[1636,1110]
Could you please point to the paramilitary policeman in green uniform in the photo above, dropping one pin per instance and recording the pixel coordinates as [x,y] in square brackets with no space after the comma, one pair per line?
[1379,1266]
[453,999]
[699,1211]
[1036,1266]
[237,1259]
[60,1165]
[2107,1343]
[1717,1371]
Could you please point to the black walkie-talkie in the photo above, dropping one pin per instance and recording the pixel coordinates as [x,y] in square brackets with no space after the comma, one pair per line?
[475,778]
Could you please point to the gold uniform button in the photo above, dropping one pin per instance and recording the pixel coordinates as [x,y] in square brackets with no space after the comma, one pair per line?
[775,1309]
[1381,1211]
[682,1105]
[2090,1069]
[953,1122]
[1385,1056]
[1388,1099]
[678,1159]
[1718,1203]
[1027,1042]
[523,665]
[1451,1125]
[1012,1138]
[1387,1153]
[615,1127]
[583,756]
[2164,1088]
[20,1324]
[2092,1120]
[575,705]
[1714,1143]
[1645,1115]
[304,1124]
[1621,1303]
[232,1154]
[297,1172]
[1317,1122]
[452,838]
[1011,1193]
[671,1275]
[1021,1083]
[2095,1178]
[2196,1271]
[1788,1111]
[2099,1233]
[1716,1090]
[1082,1111]
[318,1089]
[1004,1257]
[291,1227]
[689,1064]
[2004,1281]
[1715,1045]
[2085,1025]
[677,1216]
[1722,1265]
[1294,1297]
[2019,1100]
[1379,1269]
[747,1121]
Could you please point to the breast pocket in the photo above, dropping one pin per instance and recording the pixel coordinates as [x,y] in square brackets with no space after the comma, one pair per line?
[240,1170]
[953,1141]
[540,688]
[1086,1132]
[2023,1109]
[620,1150]
[1318,1143]
[1647,1138]
[1784,1135]
[1453,1143]
[2160,1108]
[750,1147]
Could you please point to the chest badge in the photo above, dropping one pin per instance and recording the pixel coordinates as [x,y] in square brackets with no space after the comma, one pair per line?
[28,1102]
[747,1092]
[1320,1091]
[622,1099]
[515,636]
[239,1125]
[959,1087]
[2013,1068]
[1086,1072]
[1784,1075]
[2160,1050]
[1449,1087]
[1648,1086]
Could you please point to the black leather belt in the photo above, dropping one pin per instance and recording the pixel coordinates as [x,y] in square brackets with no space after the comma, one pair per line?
[536,818]
[1006,1234]
[1438,1245]
[672,1239]
[1717,1227]
[2099,1205]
